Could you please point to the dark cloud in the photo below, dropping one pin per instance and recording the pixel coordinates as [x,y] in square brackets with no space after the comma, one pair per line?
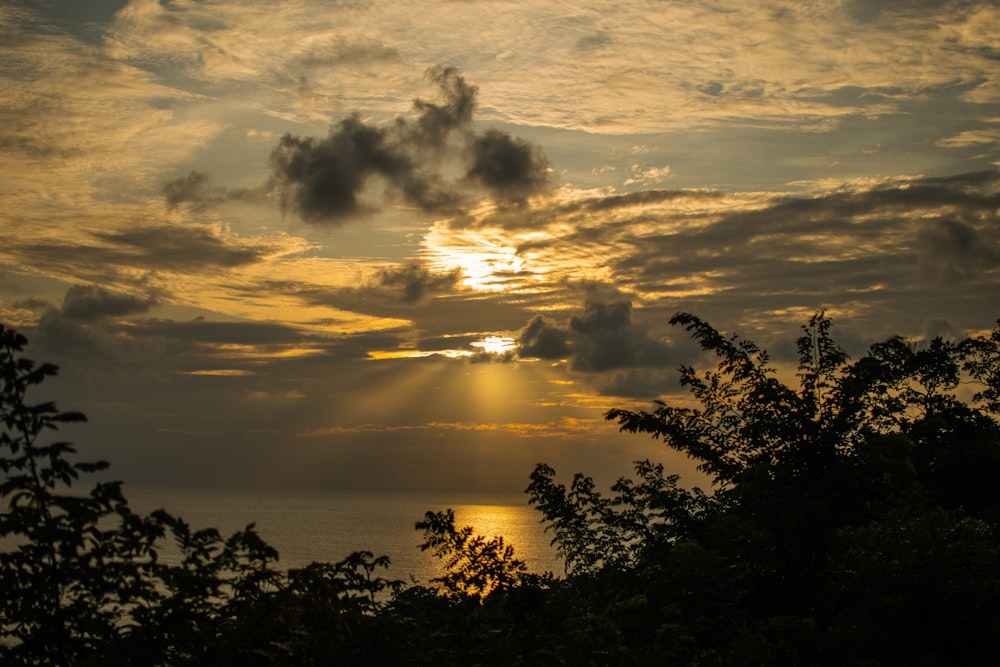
[58,338]
[410,284]
[431,306]
[510,168]
[149,249]
[939,328]
[592,218]
[190,188]
[414,283]
[174,247]
[598,40]
[322,179]
[87,302]
[194,190]
[543,339]
[830,244]
[326,180]
[437,121]
[33,304]
[955,251]
[603,338]
[200,332]
[483,357]
[639,383]
[85,329]
[602,317]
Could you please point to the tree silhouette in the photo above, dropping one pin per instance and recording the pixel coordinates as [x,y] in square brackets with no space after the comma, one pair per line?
[474,566]
[854,520]
[83,583]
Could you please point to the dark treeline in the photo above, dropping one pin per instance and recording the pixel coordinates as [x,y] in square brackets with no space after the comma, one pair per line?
[854,520]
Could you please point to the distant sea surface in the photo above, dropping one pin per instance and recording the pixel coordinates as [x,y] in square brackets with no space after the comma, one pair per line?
[311,525]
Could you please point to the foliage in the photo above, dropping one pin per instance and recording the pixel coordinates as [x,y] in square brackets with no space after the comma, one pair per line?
[592,532]
[855,520]
[871,483]
[474,566]
[68,582]
[83,580]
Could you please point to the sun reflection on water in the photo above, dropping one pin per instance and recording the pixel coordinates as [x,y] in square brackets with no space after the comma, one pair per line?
[519,529]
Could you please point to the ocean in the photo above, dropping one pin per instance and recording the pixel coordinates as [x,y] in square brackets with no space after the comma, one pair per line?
[313,525]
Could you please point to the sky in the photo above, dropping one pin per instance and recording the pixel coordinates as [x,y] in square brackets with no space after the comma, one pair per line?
[426,245]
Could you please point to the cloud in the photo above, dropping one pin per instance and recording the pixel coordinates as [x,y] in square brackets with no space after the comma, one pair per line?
[664,68]
[543,339]
[982,138]
[197,265]
[177,247]
[343,52]
[193,189]
[647,175]
[87,302]
[322,179]
[639,383]
[760,262]
[411,286]
[511,169]
[59,337]
[72,115]
[187,188]
[602,338]
[413,282]
[437,121]
[104,335]
[600,317]
[953,251]
[325,180]
[87,327]
[605,338]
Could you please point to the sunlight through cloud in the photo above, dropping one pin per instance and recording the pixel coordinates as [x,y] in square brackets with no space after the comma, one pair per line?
[497,345]
[488,258]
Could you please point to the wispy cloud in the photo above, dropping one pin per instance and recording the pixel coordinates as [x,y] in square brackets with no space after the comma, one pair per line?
[634,67]
[232,204]
[73,118]
[564,429]
[929,239]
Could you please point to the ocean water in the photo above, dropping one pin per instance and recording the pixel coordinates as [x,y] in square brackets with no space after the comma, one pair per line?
[312,525]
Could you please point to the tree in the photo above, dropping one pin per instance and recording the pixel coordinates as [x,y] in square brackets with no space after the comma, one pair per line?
[83,581]
[474,566]
[749,424]
[69,582]
[592,532]
[855,518]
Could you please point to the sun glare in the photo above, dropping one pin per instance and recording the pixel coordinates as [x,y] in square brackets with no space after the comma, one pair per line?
[488,258]
[498,345]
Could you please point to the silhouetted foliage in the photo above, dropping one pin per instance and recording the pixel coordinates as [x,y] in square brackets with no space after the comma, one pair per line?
[592,532]
[474,566]
[83,581]
[854,520]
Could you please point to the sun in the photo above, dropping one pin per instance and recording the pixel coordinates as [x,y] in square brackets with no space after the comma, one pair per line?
[498,345]
[487,258]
